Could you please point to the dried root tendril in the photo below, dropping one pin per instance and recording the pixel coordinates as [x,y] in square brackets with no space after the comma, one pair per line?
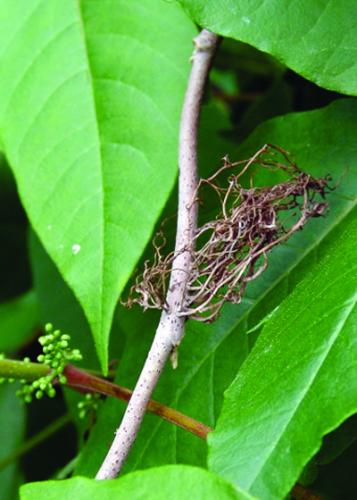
[233,249]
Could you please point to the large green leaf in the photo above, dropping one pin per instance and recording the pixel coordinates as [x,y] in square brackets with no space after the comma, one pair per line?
[210,355]
[173,482]
[298,383]
[90,98]
[317,39]
[12,429]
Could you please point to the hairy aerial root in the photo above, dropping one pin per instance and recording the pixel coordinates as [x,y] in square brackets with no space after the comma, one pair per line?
[233,249]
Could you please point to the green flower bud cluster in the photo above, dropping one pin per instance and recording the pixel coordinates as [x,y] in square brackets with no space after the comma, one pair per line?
[89,404]
[56,354]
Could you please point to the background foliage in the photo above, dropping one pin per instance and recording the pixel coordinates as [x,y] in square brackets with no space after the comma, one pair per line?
[90,100]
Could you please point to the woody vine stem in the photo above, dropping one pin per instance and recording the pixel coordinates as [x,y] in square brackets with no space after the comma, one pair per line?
[171,327]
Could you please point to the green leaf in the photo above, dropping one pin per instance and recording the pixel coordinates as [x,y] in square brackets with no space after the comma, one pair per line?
[298,383]
[210,355]
[12,429]
[90,99]
[174,482]
[18,320]
[316,39]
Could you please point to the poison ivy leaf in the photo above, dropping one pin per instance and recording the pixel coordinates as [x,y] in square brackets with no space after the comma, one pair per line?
[271,425]
[18,320]
[90,98]
[174,482]
[304,35]
[210,355]
[12,429]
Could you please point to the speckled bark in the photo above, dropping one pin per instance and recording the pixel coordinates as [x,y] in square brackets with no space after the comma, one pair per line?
[171,327]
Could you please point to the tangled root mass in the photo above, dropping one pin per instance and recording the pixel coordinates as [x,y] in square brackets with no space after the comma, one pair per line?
[232,250]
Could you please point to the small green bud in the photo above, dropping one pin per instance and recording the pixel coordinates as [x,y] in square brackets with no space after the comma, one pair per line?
[40,358]
[38,394]
[28,398]
[76,355]
[51,392]
[62,379]
[48,327]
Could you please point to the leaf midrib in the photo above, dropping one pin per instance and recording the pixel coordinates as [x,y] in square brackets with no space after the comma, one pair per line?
[98,341]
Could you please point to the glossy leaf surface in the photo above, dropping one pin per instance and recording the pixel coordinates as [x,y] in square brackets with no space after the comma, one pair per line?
[174,482]
[86,88]
[298,383]
[304,35]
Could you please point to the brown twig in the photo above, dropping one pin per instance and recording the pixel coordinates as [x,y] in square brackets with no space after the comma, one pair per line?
[86,382]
